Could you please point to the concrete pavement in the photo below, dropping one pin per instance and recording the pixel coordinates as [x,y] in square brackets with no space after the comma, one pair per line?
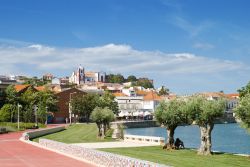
[116,144]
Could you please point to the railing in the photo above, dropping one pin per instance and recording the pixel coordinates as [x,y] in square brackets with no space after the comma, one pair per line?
[145,139]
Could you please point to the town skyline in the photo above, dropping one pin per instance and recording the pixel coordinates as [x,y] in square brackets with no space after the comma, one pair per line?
[184,46]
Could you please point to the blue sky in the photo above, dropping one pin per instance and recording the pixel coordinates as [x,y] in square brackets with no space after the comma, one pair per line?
[187,45]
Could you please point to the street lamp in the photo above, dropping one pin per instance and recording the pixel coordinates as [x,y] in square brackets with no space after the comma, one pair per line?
[70,107]
[18,115]
[35,110]
[46,122]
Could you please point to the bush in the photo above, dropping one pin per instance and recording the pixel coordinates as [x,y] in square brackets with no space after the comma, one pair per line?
[14,126]
[5,113]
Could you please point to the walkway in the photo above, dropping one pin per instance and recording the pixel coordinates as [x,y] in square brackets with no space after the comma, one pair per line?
[14,153]
[115,144]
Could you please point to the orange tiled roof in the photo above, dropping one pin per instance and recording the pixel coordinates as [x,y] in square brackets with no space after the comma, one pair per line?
[21,87]
[40,88]
[118,94]
[152,96]
[141,92]
[233,95]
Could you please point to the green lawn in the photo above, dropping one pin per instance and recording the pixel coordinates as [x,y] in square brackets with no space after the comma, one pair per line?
[78,133]
[181,157]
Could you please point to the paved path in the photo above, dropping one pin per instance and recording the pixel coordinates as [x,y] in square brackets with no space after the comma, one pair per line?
[115,144]
[14,153]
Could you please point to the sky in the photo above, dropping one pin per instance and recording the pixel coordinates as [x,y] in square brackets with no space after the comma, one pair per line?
[188,46]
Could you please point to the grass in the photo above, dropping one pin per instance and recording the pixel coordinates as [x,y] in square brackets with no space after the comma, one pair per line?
[180,158]
[12,127]
[78,133]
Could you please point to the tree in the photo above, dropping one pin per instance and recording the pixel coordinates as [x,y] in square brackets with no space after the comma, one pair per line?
[35,81]
[108,100]
[102,117]
[131,78]
[108,117]
[164,91]
[29,99]
[11,95]
[84,105]
[13,99]
[115,78]
[46,102]
[243,110]
[171,114]
[144,82]
[5,113]
[204,112]
[244,90]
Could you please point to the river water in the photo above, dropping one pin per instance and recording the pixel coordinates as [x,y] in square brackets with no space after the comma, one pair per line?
[225,137]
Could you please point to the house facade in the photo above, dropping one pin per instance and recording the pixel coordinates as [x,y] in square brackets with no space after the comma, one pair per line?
[64,97]
[133,104]
[95,77]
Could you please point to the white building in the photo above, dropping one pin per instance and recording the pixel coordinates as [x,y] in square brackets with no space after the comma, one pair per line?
[95,76]
[137,105]
[128,105]
[151,101]
[129,92]
[78,76]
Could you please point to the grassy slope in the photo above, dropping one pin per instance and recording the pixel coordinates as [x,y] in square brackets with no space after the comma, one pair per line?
[79,133]
[179,158]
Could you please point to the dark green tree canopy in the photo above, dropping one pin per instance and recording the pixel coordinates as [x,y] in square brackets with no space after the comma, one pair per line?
[5,113]
[44,100]
[244,90]
[84,105]
[131,78]
[164,91]
[35,81]
[243,110]
[115,78]
[144,82]
[12,96]
[108,100]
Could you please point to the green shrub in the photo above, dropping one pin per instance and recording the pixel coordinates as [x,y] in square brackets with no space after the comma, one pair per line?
[14,126]
[5,113]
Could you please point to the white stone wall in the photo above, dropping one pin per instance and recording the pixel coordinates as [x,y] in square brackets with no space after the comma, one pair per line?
[96,157]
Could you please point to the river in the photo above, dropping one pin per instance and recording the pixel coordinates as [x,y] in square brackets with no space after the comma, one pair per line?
[225,137]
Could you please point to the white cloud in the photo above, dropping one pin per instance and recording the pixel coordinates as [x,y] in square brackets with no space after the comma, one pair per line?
[180,71]
[111,57]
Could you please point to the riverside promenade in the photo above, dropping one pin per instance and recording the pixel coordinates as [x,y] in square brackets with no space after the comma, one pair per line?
[15,153]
